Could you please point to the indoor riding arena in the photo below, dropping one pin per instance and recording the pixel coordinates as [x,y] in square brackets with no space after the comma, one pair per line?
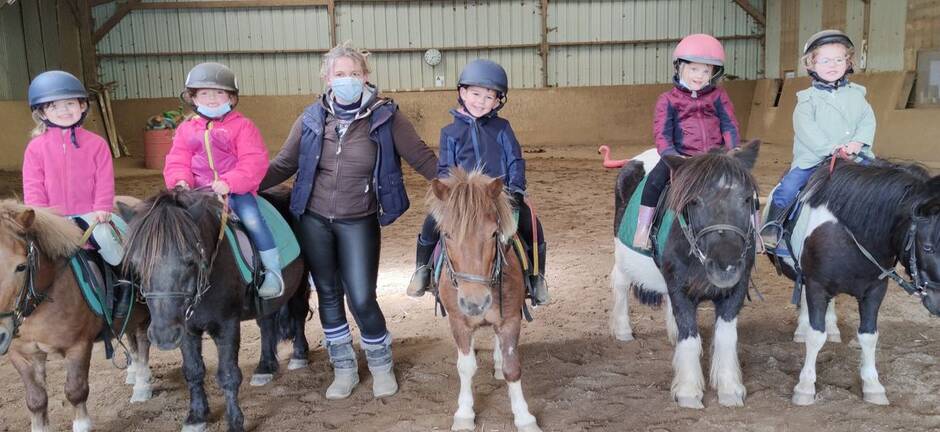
[581,75]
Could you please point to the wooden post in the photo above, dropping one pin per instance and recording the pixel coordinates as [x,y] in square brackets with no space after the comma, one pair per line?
[752,11]
[88,48]
[543,45]
[331,11]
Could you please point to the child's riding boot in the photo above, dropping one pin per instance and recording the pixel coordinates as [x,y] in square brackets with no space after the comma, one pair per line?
[771,231]
[539,287]
[421,279]
[273,285]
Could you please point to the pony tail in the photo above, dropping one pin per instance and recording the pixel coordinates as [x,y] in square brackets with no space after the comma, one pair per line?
[40,127]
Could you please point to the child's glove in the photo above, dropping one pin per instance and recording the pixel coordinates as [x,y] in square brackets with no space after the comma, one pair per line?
[220,187]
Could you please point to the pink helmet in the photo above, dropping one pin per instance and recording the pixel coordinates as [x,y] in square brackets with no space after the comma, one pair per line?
[700,48]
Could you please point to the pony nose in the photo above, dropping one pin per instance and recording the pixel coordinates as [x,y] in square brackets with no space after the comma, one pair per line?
[474,308]
[166,338]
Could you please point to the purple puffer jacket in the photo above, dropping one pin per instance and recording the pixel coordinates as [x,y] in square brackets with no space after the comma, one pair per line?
[691,123]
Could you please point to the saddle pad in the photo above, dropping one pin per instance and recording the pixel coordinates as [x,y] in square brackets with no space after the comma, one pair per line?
[91,283]
[287,246]
[796,222]
[628,223]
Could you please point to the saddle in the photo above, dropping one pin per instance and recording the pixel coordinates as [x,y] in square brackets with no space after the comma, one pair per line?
[663,220]
[109,297]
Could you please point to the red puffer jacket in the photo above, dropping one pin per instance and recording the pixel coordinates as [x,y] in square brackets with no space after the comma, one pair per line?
[691,123]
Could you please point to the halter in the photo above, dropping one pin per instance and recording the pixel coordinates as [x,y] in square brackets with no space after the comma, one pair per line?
[203,285]
[27,298]
[693,238]
[495,280]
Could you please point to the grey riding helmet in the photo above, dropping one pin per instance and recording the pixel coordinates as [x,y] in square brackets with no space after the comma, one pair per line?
[212,76]
[827,37]
[54,86]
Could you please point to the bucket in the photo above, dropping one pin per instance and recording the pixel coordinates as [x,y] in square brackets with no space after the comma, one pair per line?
[156,145]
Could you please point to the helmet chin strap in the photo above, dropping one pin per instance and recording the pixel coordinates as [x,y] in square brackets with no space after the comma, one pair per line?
[73,137]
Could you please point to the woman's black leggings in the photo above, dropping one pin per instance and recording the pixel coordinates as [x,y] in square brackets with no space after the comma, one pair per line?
[655,183]
[343,257]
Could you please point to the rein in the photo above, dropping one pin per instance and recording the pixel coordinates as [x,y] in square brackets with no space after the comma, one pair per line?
[916,286]
[27,299]
[495,280]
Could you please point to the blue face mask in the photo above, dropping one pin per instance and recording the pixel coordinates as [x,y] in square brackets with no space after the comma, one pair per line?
[347,89]
[216,112]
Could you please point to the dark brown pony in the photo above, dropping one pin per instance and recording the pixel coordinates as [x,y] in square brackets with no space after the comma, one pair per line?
[481,283]
[42,312]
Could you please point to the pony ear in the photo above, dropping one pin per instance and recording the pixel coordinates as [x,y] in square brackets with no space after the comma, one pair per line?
[125,211]
[674,162]
[495,188]
[26,218]
[441,190]
[747,154]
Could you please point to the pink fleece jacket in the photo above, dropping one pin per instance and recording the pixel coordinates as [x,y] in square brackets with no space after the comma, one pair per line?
[238,153]
[67,179]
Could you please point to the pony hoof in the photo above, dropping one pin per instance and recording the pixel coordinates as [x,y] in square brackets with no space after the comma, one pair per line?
[463,424]
[295,364]
[258,380]
[834,337]
[498,374]
[83,425]
[876,398]
[731,400]
[142,395]
[199,427]
[531,427]
[804,399]
[689,402]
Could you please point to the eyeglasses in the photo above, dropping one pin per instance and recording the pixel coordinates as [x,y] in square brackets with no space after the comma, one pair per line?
[826,61]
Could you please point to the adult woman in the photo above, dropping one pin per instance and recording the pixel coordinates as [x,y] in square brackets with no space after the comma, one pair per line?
[345,150]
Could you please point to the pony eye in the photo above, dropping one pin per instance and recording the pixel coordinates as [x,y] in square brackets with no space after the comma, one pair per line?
[694,202]
[21,268]
[928,248]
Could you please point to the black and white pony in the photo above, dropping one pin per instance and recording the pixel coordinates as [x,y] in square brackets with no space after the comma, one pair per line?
[708,255]
[855,224]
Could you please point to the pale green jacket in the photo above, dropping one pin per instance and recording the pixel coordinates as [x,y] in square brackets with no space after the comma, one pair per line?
[823,121]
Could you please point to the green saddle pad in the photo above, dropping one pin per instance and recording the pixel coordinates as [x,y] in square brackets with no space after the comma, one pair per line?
[287,246]
[91,282]
[628,224]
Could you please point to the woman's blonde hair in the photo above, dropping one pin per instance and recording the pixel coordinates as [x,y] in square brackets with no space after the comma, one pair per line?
[345,49]
[809,60]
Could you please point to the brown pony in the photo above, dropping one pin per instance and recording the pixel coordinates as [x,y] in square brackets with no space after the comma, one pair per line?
[42,311]
[481,283]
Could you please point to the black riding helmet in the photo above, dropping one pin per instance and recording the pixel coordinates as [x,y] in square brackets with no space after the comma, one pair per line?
[487,74]
[826,37]
[209,76]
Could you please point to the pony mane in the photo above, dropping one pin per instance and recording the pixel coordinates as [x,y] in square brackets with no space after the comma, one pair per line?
[702,173]
[57,236]
[468,203]
[868,198]
[168,224]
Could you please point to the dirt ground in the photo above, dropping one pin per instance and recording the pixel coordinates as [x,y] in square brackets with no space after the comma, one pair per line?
[576,376]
